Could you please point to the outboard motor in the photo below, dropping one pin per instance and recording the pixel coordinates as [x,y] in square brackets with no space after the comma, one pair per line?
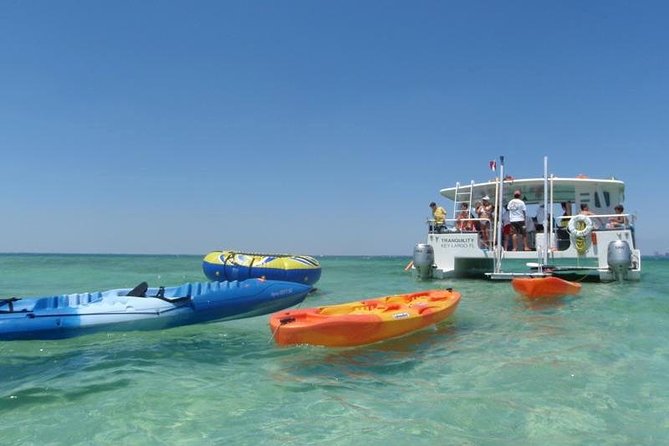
[423,259]
[619,258]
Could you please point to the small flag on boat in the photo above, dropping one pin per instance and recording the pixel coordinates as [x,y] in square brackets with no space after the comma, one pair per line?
[493,165]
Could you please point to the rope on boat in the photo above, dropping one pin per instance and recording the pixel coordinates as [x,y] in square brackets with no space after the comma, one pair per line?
[309,259]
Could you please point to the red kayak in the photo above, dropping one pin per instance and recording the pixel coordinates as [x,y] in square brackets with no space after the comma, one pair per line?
[536,287]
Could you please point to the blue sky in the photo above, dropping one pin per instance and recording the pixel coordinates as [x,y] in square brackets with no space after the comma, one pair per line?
[313,127]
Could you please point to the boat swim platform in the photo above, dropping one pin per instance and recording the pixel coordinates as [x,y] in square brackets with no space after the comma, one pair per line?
[548,270]
[510,276]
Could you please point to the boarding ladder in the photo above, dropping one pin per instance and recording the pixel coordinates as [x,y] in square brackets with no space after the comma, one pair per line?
[462,197]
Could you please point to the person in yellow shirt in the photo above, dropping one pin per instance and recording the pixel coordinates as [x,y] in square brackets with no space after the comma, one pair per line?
[439,215]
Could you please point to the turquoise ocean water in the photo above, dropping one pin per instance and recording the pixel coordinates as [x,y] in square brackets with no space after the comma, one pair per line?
[587,370]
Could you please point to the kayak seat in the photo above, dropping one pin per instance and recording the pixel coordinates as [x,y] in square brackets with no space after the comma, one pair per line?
[10,304]
[392,307]
[426,309]
[173,300]
[139,290]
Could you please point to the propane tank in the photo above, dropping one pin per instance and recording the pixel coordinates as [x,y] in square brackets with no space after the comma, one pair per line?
[619,258]
[423,259]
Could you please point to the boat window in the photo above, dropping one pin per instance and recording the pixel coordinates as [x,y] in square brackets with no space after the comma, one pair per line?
[607,198]
[598,203]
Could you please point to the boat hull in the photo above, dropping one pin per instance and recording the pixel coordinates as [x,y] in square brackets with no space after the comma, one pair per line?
[363,322]
[114,310]
[544,287]
[230,265]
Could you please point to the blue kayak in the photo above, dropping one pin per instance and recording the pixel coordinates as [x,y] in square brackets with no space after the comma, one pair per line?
[144,308]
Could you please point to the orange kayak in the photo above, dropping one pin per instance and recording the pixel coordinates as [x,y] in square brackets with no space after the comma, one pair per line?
[535,287]
[363,322]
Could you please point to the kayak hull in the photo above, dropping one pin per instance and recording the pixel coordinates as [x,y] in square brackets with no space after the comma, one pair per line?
[544,287]
[70,315]
[363,322]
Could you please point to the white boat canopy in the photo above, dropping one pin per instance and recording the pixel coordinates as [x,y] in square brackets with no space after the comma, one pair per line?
[532,189]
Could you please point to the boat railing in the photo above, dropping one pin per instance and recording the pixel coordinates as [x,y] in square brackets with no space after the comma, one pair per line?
[434,228]
[451,225]
[614,223]
[600,221]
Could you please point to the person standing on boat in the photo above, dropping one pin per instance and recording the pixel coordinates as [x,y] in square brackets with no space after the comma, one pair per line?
[464,222]
[439,216]
[566,214]
[530,232]
[539,218]
[506,228]
[517,212]
[484,212]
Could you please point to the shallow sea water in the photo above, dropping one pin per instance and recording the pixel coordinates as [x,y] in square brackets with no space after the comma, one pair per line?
[584,370]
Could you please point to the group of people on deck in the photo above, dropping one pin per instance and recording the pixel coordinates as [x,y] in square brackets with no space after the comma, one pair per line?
[518,229]
[615,222]
[484,213]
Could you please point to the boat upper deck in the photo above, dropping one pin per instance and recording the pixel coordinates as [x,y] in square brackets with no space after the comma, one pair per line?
[603,193]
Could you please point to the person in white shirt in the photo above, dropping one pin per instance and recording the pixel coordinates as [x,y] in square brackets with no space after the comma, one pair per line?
[539,219]
[484,212]
[530,232]
[517,212]
[506,229]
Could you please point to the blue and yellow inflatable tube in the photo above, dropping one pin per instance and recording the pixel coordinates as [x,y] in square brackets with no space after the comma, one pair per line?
[233,265]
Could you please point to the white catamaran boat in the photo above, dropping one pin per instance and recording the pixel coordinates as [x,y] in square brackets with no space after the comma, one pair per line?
[593,247]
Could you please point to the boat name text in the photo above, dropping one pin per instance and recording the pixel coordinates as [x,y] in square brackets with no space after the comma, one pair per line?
[458,242]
